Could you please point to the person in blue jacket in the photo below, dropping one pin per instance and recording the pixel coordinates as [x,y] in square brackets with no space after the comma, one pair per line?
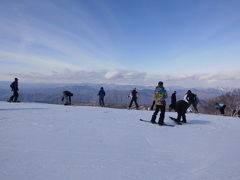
[221,107]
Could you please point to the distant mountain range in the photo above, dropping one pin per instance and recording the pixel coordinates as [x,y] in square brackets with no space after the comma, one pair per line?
[87,93]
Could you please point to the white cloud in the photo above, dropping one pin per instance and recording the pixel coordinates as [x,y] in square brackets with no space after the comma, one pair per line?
[112,74]
[222,79]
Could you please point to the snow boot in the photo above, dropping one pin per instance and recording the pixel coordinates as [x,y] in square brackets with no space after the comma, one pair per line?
[153,119]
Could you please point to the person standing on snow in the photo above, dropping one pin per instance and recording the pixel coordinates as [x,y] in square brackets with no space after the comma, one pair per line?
[14,87]
[101,95]
[192,99]
[160,95]
[173,101]
[133,98]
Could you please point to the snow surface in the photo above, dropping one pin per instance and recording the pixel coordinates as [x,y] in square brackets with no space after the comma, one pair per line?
[55,142]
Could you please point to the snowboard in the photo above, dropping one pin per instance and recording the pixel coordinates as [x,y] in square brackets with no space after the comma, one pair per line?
[143,120]
[175,120]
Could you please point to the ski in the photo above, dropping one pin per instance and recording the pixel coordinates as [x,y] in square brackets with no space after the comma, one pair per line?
[175,120]
[143,120]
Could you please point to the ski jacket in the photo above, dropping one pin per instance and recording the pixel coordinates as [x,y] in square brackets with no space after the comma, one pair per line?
[67,93]
[191,98]
[173,98]
[101,93]
[181,106]
[134,94]
[219,105]
[14,86]
[160,95]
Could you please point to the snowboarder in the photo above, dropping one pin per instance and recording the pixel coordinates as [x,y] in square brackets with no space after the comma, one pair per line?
[133,98]
[160,95]
[192,99]
[221,107]
[14,87]
[101,95]
[173,101]
[67,95]
[181,109]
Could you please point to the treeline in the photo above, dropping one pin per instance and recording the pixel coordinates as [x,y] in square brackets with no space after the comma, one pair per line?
[230,99]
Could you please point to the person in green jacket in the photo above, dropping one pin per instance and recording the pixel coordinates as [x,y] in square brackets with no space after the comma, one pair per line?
[160,94]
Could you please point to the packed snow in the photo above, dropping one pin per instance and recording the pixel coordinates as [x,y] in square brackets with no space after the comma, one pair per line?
[56,142]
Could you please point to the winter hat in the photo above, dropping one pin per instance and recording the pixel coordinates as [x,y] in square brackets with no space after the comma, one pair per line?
[160,83]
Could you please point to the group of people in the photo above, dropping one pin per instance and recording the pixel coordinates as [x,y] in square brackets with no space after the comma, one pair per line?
[181,106]
[159,101]
[67,97]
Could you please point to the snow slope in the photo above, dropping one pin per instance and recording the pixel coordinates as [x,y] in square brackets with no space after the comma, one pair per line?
[54,142]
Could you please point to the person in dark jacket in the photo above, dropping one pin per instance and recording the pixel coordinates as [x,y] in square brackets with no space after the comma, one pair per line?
[101,95]
[14,87]
[221,107]
[160,95]
[173,101]
[181,108]
[67,96]
[133,98]
[192,99]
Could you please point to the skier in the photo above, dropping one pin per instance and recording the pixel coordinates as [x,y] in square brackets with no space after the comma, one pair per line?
[133,98]
[160,95]
[221,107]
[181,109]
[173,101]
[67,95]
[101,95]
[14,87]
[192,99]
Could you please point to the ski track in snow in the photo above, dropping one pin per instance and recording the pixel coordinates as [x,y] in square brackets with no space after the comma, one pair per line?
[44,141]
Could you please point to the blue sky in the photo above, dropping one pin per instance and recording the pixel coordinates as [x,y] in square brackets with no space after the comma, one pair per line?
[184,43]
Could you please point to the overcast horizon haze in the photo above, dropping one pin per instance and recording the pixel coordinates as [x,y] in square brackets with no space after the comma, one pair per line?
[139,42]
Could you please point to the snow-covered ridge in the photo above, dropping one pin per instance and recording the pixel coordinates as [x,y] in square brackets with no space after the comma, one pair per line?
[54,142]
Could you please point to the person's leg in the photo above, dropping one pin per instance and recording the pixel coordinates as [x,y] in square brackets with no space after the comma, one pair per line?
[135,101]
[153,103]
[15,96]
[130,105]
[221,110]
[195,107]
[103,101]
[184,117]
[179,115]
[70,101]
[66,99]
[11,98]
[154,116]
[162,114]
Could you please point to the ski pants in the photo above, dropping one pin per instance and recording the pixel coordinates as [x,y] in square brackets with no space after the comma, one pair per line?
[181,114]
[158,108]
[101,101]
[14,97]
[135,101]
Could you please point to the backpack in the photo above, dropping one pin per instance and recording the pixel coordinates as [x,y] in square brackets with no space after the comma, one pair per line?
[196,99]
